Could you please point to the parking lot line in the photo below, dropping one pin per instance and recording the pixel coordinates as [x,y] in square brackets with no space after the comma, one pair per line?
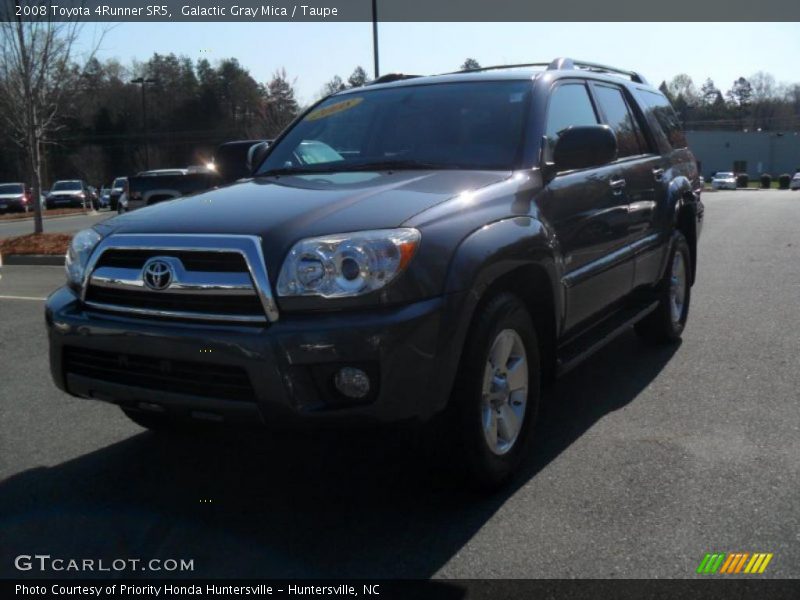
[22,298]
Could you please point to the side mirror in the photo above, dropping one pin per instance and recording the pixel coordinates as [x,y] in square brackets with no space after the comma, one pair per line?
[585,146]
[255,155]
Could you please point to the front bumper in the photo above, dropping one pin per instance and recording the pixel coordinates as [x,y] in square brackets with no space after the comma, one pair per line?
[12,205]
[65,202]
[410,357]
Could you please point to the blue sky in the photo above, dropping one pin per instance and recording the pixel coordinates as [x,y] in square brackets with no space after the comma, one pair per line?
[313,52]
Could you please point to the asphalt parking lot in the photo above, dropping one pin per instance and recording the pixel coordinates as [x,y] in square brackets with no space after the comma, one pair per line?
[14,227]
[645,458]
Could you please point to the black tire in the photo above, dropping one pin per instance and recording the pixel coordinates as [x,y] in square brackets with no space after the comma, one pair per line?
[461,424]
[661,326]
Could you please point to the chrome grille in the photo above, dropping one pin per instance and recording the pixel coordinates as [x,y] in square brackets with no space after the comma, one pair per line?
[211,278]
[193,260]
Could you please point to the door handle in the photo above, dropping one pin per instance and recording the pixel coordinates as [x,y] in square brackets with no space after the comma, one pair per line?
[617,185]
[658,174]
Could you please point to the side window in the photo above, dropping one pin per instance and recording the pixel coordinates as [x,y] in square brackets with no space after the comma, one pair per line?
[659,108]
[570,105]
[630,140]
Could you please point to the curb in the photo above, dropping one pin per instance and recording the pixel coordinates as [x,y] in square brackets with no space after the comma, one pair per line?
[10,260]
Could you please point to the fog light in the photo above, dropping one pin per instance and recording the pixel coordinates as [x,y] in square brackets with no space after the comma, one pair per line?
[352,382]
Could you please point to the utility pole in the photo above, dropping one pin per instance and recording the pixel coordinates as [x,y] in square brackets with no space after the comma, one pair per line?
[144,82]
[375,36]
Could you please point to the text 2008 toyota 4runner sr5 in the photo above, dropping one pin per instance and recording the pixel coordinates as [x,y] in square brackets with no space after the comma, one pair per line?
[426,248]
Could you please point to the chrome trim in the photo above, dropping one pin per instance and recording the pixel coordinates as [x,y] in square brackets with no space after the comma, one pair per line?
[185,282]
[249,246]
[177,314]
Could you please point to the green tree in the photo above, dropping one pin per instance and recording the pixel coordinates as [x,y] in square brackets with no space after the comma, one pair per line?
[470,63]
[280,104]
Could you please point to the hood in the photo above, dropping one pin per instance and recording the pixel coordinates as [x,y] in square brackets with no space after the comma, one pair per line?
[66,193]
[283,210]
[14,196]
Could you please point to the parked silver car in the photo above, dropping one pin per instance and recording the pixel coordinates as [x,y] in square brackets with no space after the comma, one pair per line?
[723,180]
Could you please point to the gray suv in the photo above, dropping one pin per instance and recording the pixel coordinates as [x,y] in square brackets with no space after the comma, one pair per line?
[423,248]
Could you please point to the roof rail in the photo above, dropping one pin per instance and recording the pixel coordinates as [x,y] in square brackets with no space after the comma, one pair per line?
[562,64]
[389,77]
[499,67]
[568,63]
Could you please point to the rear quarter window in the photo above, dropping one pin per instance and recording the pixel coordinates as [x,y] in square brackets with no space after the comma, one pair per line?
[661,114]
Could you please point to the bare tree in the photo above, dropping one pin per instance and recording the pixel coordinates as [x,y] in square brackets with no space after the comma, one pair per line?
[36,63]
[681,86]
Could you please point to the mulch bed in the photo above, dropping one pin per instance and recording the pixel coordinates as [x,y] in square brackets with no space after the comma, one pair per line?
[37,243]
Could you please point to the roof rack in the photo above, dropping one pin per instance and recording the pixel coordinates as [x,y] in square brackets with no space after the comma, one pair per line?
[564,64]
[389,77]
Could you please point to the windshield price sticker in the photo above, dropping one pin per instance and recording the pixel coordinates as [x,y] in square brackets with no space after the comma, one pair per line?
[327,111]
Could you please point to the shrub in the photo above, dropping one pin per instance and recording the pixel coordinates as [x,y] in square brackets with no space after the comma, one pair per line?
[784,180]
[742,180]
[766,181]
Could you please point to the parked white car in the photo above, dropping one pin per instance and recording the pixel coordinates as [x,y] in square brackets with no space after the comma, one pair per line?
[795,184]
[723,181]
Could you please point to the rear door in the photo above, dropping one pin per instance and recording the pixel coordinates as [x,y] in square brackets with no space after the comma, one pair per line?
[588,209]
[642,170]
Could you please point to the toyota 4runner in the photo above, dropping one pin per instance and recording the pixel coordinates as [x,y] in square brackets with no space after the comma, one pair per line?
[422,248]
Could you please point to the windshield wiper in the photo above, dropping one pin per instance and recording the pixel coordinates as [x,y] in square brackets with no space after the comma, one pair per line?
[396,165]
[295,171]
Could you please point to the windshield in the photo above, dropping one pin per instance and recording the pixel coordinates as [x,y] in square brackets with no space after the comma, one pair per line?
[473,125]
[69,186]
[10,188]
[724,175]
[119,183]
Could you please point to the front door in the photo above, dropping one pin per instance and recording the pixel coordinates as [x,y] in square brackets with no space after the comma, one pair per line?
[588,209]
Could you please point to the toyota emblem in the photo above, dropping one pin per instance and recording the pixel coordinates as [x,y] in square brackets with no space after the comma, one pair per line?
[157,274]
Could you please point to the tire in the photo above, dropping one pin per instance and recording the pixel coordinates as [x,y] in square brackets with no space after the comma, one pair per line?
[484,409]
[667,322]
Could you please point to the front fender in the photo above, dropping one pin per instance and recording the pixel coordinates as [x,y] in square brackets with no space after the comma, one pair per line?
[498,248]
[481,259]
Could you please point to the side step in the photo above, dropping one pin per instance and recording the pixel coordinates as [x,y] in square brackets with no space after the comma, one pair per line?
[580,348]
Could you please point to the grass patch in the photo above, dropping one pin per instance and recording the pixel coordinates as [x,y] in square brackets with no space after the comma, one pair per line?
[37,243]
[757,184]
[752,185]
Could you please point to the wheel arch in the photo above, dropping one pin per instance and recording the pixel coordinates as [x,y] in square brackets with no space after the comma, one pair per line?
[683,202]
[517,256]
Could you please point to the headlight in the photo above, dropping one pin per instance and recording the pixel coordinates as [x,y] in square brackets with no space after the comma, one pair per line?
[348,264]
[78,254]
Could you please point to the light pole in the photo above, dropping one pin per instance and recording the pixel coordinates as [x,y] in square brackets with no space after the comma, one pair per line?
[144,82]
[375,36]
